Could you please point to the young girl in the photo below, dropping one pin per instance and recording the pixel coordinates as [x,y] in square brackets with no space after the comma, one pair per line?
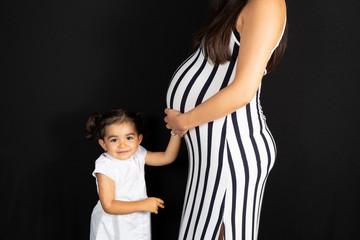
[123,212]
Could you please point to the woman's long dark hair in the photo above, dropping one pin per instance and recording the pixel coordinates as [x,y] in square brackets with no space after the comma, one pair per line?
[214,38]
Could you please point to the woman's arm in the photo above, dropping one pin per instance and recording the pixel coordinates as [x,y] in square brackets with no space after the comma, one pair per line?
[111,206]
[260,25]
[167,157]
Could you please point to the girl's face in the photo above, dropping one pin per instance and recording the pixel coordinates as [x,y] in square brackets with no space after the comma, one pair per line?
[121,140]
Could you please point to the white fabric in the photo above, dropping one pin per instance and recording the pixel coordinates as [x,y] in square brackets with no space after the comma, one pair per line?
[129,186]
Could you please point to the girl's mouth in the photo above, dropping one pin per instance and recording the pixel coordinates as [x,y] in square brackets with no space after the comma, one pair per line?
[123,152]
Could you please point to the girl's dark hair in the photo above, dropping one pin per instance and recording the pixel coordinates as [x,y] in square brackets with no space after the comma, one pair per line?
[214,38]
[97,122]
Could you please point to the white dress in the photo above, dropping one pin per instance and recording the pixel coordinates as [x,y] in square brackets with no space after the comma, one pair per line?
[129,186]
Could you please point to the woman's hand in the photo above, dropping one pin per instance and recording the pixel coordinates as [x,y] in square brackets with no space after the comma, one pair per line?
[175,121]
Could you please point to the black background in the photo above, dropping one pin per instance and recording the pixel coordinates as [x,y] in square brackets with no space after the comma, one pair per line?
[63,60]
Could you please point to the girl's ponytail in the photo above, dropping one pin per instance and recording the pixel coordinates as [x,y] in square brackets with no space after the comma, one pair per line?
[93,127]
[140,123]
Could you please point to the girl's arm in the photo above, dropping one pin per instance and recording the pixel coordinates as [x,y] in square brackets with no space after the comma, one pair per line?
[167,157]
[260,25]
[111,206]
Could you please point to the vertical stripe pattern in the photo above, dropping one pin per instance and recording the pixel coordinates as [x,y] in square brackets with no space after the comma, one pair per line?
[229,158]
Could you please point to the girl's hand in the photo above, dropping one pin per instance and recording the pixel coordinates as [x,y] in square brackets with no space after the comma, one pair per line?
[174,121]
[152,204]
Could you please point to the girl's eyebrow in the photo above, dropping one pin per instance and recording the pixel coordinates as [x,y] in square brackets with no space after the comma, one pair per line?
[128,134]
[111,136]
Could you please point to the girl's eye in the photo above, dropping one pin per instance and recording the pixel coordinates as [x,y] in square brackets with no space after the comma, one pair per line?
[113,140]
[129,138]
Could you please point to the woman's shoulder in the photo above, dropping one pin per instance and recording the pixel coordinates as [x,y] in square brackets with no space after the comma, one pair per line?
[266,3]
[272,12]
[267,7]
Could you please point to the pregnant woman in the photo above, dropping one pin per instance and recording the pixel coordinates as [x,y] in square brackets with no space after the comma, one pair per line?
[213,101]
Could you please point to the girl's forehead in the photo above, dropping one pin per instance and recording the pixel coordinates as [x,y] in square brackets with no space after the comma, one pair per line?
[121,127]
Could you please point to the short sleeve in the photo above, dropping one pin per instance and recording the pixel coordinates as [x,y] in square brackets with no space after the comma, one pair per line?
[141,154]
[105,167]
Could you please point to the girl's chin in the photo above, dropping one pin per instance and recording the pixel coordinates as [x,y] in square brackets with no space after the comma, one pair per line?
[123,155]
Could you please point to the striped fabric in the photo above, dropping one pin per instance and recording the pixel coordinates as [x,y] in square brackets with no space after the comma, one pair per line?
[229,158]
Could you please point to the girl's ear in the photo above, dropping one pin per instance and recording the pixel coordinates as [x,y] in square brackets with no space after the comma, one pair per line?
[140,138]
[102,144]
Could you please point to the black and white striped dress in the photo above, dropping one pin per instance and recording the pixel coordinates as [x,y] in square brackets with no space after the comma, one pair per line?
[229,158]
